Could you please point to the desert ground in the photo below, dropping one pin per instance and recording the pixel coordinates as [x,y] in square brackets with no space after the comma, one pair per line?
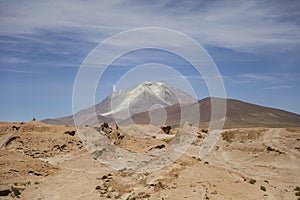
[43,161]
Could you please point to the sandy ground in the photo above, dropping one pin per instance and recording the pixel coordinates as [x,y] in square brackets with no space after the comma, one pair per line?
[41,161]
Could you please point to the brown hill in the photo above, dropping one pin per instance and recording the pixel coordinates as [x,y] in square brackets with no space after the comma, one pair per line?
[238,114]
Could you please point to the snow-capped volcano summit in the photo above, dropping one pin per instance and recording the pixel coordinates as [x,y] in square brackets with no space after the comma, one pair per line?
[141,98]
[122,104]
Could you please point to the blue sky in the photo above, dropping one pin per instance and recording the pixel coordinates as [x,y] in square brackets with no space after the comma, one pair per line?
[255,45]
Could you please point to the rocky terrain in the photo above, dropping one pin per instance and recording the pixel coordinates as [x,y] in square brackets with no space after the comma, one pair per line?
[44,161]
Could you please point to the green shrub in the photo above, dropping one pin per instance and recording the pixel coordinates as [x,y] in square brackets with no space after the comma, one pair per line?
[275,150]
[252,181]
[204,130]
[98,187]
[104,177]
[270,149]
[263,188]
[16,191]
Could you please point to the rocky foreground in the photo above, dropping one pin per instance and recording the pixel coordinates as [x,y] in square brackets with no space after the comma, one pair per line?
[42,161]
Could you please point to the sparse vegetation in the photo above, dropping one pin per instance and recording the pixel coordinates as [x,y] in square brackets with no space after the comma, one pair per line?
[194,157]
[263,188]
[98,153]
[275,150]
[204,130]
[15,128]
[71,133]
[228,136]
[297,191]
[110,184]
[166,129]
[252,181]
[98,187]
[105,125]
[104,177]
[16,192]
[270,149]
[167,140]
[105,189]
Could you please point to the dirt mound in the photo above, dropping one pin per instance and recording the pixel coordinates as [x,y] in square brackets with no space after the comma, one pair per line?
[39,140]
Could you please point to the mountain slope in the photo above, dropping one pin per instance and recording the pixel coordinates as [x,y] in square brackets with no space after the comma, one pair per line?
[239,114]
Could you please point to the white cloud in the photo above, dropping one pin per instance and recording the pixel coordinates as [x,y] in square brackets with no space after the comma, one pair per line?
[278,87]
[258,77]
[274,77]
[242,26]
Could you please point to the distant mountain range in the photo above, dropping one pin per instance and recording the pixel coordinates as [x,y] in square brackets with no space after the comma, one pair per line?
[134,104]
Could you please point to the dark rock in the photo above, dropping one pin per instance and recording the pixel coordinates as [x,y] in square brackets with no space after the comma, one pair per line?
[34,173]
[166,129]
[160,146]
[71,133]
[4,193]
[15,128]
[105,125]
[10,140]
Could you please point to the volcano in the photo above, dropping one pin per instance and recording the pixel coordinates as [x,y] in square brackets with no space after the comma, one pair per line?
[122,104]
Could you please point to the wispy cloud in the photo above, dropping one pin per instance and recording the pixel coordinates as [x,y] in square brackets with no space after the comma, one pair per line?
[278,87]
[259,77]
[275,77]
[242,26]
[273,81]
[18,71]
[12,60]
